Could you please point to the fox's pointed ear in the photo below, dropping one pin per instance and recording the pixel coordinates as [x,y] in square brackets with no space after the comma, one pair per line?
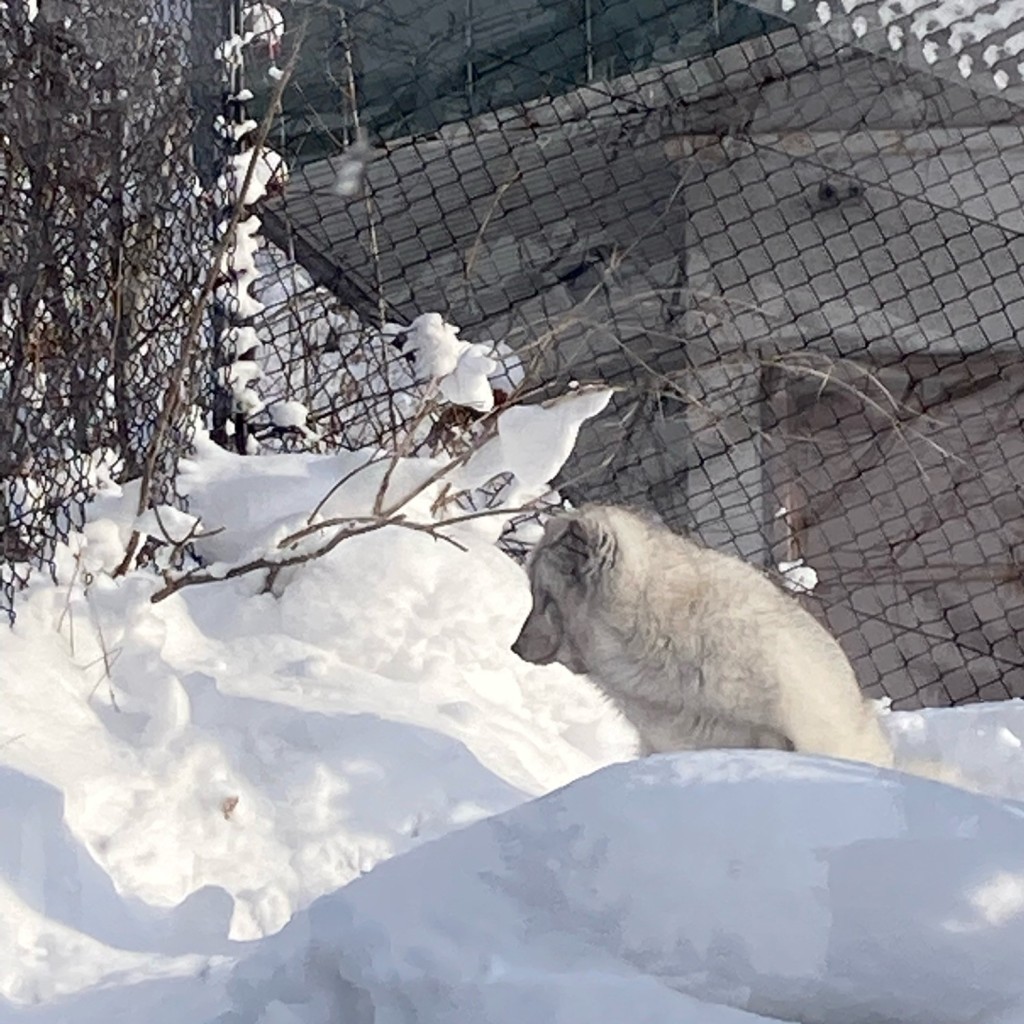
[556,527]
[585,548]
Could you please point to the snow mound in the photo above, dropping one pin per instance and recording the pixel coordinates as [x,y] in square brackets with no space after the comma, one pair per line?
[180,780]
[263,748]
[778,885]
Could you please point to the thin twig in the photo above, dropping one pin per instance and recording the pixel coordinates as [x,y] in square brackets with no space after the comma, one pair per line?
[369,525]
[196,577]
[329,524]
[402,449]
[109,659]
[66,611]
[12,739]
[375,460]
[491,210]
[488,425]
[894,424]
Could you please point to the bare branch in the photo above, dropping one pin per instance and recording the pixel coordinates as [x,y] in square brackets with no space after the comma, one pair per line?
[363,526]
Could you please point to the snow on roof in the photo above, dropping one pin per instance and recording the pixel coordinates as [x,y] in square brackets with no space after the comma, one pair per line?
[969,40]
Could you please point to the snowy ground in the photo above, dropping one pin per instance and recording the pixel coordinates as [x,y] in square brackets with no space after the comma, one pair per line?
[193,793]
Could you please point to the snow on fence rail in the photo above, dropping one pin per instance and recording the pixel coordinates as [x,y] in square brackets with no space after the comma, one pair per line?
[794,250]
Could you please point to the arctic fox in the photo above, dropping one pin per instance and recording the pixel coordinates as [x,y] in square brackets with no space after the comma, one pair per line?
[695,648]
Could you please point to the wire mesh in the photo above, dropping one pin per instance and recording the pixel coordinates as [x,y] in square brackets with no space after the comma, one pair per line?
[789,235]
[793,246]
[100,255]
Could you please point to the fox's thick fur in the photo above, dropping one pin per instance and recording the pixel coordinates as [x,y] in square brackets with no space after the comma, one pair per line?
[694,647]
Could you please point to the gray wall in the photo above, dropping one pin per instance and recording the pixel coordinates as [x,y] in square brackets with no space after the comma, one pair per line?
[776,212]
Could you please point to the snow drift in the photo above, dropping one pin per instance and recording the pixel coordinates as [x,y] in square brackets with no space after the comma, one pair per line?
[318,803]
[784,886]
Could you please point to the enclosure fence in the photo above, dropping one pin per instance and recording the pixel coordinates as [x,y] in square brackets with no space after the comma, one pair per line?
[102,250]
[790,237]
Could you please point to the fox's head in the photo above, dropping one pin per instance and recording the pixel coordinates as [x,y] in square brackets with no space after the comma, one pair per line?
[566,570]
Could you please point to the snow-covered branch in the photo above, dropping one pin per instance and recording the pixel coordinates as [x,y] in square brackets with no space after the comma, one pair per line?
[423,494]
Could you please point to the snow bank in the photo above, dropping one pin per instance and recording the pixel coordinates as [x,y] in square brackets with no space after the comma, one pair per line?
[179,781]
[785,886]
[267,749]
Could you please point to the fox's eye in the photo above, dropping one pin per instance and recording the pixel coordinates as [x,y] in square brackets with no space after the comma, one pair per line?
[550,610]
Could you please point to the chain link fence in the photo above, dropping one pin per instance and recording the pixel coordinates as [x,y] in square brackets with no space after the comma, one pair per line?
[102,251]
[789,235]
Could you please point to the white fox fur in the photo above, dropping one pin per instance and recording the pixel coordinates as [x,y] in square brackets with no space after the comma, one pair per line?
[694,647]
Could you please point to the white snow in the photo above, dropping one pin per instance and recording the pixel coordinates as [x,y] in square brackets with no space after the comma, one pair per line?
[220,807]
[241,340]
[530,434]
[787,887]
[534,441]
[468,383]
[265,22]
[240,255]
[944,28]
[237,378]
[350,166]
[349,179]
[362,376]
[269,168]
[798,576]
[435,344]
[230,50]
[289,415]
[466,373]
[238,298]
[234,129]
